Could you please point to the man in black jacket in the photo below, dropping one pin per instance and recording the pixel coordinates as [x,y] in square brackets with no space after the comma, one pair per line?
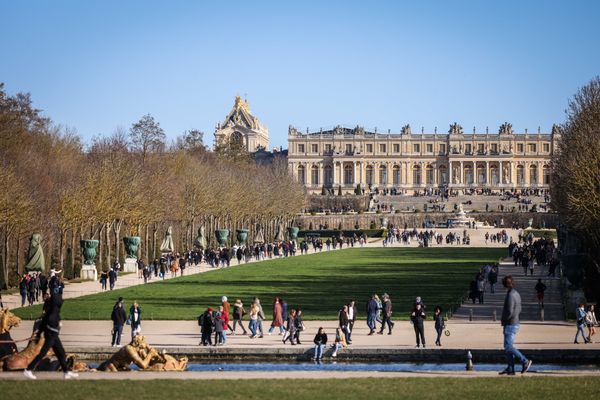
[372,315]
[118,316]
[50,326]
[386,315]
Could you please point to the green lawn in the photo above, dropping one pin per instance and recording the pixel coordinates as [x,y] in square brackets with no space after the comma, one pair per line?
[319,283]
[351,388]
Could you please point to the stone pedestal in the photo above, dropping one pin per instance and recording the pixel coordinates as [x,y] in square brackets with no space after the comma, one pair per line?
[130,265]
[89,273]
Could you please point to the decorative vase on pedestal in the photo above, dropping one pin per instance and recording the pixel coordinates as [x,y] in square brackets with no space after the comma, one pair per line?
[131,247]
[293,233]
[88,269]
[242,236]
[222,235]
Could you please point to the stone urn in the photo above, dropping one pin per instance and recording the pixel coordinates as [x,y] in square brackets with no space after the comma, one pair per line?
[242,236]
[131,245]
[88,249]
[293,232]
[222,235]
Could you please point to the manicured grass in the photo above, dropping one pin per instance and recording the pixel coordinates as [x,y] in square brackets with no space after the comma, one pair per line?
[351,388]
[319,283]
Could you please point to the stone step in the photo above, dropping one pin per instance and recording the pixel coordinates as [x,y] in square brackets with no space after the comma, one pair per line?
[525,285]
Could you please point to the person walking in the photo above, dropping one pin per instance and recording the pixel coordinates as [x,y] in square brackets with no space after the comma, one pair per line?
[103,279]
[118,318]
[386,315]
[135,319]
[290,332]
[50,326]
[260,319]
[220,328]
[510,323]
[320,342]
[238,315]
[417,317]
[493,278]
[372,315]
[253,325]
[277,317]
[343,323]
[112,278]
[299,324]
[206,323]
[580,315]
[540,288]
[591,322]
[440,324]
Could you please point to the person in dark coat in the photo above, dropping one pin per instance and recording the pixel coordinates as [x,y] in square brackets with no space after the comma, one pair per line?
[417,317]
[118,318]
[290,333]
[206,322]
[50,326]
[387,315]
[112,278]
[372,315]
[135,319]
[320,341]
[440,325]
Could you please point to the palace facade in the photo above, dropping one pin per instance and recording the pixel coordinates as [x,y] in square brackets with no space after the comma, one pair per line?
[342,159]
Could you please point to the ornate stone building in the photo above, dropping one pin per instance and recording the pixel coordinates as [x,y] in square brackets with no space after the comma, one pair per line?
[407,162]
[241,127]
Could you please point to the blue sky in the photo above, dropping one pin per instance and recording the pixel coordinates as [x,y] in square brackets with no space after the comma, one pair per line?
[96,65]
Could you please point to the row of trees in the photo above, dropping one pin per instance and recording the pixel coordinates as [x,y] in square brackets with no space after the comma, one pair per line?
[129,183]
[576,179]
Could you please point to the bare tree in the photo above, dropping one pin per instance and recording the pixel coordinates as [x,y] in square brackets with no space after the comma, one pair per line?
[147,136]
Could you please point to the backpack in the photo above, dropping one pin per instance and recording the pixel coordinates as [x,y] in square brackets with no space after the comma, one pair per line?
[201,320]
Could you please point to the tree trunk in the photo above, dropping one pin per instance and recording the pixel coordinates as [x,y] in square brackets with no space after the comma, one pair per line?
[146,244]
[61,252]
[19,266]
[100,245]
[72,257]
[117,231]
[107,235]
[154,229]
[6,254]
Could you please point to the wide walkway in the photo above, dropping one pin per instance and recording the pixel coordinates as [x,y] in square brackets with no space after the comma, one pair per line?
[531,311]
[463,335]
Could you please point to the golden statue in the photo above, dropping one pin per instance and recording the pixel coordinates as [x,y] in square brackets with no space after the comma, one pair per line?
[8,320]
[144,356]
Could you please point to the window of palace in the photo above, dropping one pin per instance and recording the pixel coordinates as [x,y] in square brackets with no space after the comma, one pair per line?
[494,148]
[396,148]
[442,148]
[480,148]
[429,148]
[348,149]
[369,148]
[300,148]
[416,148]
[519,147]
[531,148]
[382,148]
[328,148]
[468,149]
[315,148]
[314,175]
[546,147]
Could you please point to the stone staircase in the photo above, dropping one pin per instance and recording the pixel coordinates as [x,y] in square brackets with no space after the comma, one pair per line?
[525,285]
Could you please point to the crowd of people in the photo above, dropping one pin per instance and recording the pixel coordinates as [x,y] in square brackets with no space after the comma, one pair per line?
[425,238]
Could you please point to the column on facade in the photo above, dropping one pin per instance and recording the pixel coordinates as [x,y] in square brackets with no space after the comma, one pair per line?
[501,172]
[540,172]
[526,174]
[321,167]
[487,180]
[462,174]
[450,173]
[333,171]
